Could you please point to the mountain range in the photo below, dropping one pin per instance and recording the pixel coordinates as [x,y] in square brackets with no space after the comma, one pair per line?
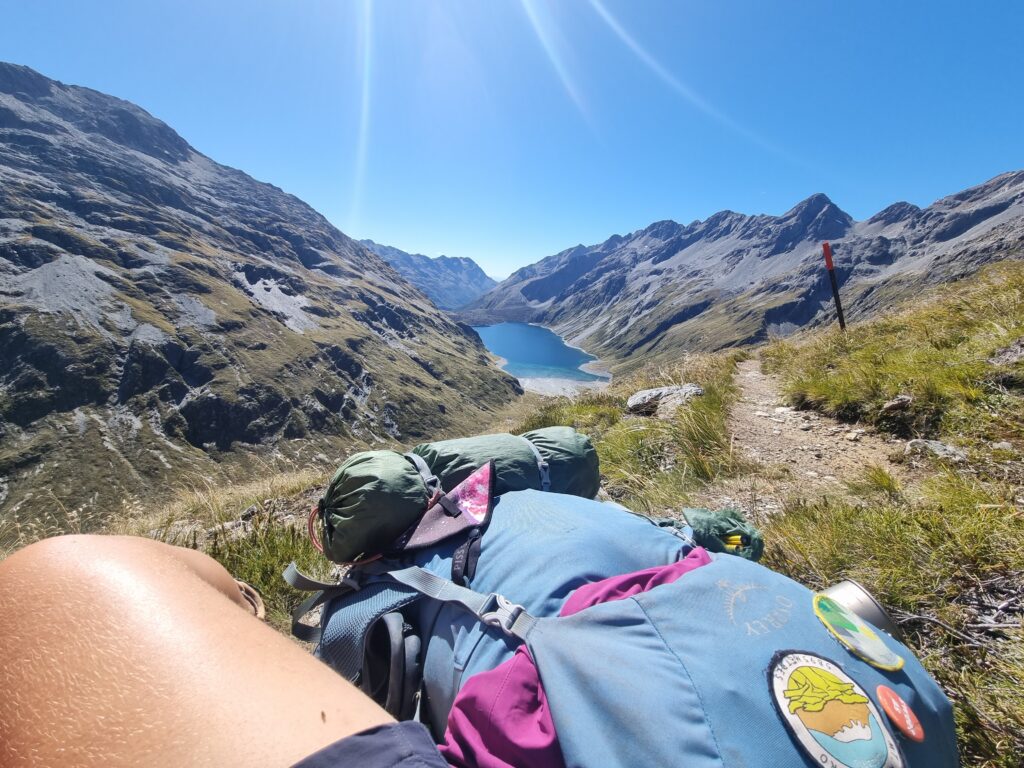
[168,320]
[450,282]
[736,279]
[164,318]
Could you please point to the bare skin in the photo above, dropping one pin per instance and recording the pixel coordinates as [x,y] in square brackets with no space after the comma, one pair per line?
[118,651]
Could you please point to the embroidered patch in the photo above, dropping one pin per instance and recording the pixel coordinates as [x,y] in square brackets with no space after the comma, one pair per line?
[831,716]
[900,714]
[855,634]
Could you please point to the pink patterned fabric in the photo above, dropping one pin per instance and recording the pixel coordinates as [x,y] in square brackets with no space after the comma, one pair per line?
[473,495]
[473,499]
[500,719]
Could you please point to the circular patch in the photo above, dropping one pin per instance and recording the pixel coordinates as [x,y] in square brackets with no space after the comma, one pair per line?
[831,716]
[855,634]
[900,714]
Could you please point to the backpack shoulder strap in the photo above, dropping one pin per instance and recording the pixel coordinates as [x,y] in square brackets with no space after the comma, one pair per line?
[322,591]
[492,609]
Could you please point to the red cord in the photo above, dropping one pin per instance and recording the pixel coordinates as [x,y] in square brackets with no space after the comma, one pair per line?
[311,529]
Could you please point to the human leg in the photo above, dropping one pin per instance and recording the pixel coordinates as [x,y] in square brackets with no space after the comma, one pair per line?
[122,651]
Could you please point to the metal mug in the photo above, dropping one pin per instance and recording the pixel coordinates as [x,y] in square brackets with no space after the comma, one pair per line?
[854,597]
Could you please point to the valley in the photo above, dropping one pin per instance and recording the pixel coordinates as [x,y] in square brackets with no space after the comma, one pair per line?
[166,320]
[735,279]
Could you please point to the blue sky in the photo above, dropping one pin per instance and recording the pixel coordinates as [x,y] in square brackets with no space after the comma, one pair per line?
[507,130]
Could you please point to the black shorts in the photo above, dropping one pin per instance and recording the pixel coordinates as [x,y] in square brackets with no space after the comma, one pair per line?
[395,745]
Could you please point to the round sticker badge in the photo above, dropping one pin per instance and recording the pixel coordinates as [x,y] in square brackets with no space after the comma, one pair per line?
[900,714]
[855,634]
[829,714]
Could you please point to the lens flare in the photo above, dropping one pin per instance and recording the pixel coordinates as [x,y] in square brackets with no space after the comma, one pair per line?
[363,141]
[551,41]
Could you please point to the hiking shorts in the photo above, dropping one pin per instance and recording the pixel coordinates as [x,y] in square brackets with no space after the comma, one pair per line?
[395,745]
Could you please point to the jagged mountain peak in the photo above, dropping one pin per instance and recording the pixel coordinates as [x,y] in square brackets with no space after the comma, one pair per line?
[122,123]
[733,278]
[663,230]
[897,212]
[818,205]
[448,281]
[17,78]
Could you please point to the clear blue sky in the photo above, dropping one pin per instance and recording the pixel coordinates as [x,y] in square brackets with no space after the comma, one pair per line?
[507,130]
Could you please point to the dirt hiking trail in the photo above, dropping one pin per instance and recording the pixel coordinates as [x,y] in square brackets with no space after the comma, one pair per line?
[800,453]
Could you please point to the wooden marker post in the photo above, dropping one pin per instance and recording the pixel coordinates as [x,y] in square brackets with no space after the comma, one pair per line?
[827,249]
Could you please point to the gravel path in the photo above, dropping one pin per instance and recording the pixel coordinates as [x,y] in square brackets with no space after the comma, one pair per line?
[799,453]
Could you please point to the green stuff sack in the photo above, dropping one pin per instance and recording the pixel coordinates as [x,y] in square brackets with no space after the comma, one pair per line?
[375,496]
[725,530]
[568,458]
[372,499]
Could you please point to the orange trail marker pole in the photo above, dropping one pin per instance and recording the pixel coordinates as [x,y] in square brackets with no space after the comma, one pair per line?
[827,250]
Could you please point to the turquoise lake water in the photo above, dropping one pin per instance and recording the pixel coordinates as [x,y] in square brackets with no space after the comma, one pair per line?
[535,352]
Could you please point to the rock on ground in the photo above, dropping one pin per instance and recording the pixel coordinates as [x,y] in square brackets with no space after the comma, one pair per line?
[663,401]
[936,449]
[1009,355]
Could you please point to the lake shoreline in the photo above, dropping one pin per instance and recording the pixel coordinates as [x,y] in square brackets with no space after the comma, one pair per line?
[560,387]
[529,369]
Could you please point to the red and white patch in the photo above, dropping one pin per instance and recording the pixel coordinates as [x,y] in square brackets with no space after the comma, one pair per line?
[900,714]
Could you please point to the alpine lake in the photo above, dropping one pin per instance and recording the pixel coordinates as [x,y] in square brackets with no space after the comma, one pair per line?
[540,358]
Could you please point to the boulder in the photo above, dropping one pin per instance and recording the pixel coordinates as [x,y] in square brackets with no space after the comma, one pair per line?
[935,449]
[663,401]
[898,403]
[1009,355]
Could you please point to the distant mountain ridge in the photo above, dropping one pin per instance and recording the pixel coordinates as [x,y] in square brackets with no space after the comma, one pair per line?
[734,279]
[448,281]
[163,316]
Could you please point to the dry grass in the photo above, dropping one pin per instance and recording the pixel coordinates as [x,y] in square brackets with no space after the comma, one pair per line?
[949,565]
[649,464]
[947,557]
[937,352]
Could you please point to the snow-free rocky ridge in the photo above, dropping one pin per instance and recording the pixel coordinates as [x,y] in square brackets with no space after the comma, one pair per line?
[163,317]
[735,279]
[448,281]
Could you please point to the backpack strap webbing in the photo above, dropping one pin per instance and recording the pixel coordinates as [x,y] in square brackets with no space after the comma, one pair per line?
[432,481]
[542,466]
[322,591]
[492,609]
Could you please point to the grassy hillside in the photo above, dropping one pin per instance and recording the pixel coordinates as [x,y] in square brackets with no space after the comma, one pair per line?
[943,550]
[648,464]
[946,555]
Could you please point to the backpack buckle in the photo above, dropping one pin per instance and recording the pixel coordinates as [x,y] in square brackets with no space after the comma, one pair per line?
[503,615]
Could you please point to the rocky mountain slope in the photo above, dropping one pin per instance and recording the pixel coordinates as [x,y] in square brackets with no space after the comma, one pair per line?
[734,279]
[447,281]
[164,318]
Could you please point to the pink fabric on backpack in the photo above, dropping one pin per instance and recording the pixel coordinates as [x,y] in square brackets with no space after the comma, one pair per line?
[500,719]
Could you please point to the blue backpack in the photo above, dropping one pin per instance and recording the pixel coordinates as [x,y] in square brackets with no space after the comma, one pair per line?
[728,666]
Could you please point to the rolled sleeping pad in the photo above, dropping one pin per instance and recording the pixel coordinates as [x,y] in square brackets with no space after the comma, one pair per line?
[375,496]
[572,464]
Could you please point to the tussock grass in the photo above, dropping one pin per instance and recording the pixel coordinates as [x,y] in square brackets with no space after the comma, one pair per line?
[946,557]
[260,556]
[877,481]
[257,552]
[206,503]
[936,351]
[651,464]
[591,413]
[950,568]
